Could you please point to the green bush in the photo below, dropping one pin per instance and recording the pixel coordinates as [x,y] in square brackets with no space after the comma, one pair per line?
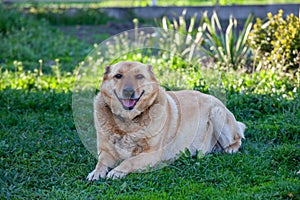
[229,49]
[186,36]
[261,82]
[276,42]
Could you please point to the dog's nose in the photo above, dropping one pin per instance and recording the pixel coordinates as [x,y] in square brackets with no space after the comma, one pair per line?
[128,92]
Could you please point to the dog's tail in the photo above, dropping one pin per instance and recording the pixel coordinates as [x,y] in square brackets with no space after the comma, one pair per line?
[241,127]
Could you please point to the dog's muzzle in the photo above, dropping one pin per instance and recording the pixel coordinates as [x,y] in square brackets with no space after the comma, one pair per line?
[129,102]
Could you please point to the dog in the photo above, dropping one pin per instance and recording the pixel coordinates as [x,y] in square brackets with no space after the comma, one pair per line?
[139,124]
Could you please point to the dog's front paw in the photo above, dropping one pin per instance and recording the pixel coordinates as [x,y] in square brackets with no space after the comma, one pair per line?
[97,174]
[116,174]
[233,148]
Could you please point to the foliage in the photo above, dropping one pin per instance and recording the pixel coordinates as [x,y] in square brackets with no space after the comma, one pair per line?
[187,36]
[11,20]
[228,49]
[276,42]
[24,38]
[35,80]
[262,82]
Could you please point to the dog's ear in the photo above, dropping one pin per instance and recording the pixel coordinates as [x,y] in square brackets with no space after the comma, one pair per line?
[151,72]
[107,71]
[150,68]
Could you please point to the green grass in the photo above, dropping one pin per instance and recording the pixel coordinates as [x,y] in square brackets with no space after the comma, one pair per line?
[42,156]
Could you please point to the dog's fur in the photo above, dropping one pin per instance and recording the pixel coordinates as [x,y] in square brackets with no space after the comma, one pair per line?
[139,124]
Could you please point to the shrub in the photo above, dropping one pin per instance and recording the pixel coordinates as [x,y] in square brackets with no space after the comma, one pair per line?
[229,49]
[186,36]
[276,42]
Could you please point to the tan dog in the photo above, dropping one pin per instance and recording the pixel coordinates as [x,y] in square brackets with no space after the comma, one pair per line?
[139,124]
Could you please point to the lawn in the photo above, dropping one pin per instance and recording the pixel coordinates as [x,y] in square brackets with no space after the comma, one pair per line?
[42,156]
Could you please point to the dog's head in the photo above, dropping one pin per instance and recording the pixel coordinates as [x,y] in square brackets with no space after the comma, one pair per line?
[129,88]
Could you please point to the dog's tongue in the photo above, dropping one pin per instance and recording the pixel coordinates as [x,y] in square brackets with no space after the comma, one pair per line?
[128,102]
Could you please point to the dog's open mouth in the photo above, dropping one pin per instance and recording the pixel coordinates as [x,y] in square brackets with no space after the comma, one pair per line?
[128,104]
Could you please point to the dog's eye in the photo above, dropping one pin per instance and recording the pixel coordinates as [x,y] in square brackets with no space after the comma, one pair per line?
[118,76]
[139,76]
